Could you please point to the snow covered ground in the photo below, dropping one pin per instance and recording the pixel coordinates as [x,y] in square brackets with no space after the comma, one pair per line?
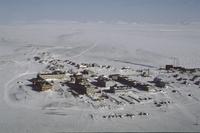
[134,45]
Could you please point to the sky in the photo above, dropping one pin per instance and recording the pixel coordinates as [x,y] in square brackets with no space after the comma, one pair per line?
[143,11]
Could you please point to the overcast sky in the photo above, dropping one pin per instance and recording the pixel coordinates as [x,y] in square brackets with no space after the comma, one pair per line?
[147,11]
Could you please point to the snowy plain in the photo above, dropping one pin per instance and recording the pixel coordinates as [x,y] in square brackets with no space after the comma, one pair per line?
[133,45]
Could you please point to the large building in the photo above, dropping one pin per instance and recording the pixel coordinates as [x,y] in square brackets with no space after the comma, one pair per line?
[131,83]
[41,84]
[45,81]
[82,86]
[56,75]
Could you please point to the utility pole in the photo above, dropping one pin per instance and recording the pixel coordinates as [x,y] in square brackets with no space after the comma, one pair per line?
[197,121]
[175,61]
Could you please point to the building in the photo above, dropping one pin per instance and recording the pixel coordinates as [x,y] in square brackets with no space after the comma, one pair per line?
[130,83]
[159,82]
[56,75]
[114,76]
[41,85]
[78,78]
[168,67]
[101,81]
[44,81]
[82,86]
[142,86]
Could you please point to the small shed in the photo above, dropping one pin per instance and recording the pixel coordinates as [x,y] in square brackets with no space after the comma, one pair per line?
[159,82]
[78,78]
[114,76]
[168,67]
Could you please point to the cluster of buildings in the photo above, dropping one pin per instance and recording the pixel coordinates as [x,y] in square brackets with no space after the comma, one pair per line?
[86,79]
[80,84]
[181,69]
[131,83]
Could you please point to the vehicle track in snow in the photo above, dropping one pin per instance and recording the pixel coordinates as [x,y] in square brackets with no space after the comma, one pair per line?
[25,66]
[85,51]
[8,89]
